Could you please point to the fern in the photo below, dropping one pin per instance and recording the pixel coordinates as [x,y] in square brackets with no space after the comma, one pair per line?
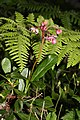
[19,39]
[67,18]
[70,47]
[16,39]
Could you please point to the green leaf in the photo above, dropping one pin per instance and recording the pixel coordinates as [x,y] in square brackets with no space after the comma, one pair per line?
[2,112]
[6,65]
[17,75]
[76,98]
[51,116]
[40,19]
[21,81]
[19,93]
[69,116]
[10,117]
[25,72]
[78,113]
[18,105]
[21,85]
[47,100]
[30,17]
[44,67]
[22,116]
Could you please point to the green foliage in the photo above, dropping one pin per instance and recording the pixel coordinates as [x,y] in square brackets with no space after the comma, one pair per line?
[51,116]
[46,90]
[17,38]
[44,67]
[71,115]
[71,47]
[67,18]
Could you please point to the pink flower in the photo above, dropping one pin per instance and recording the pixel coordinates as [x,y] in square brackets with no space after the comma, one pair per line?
[52,39]
[58,31]
[43,26]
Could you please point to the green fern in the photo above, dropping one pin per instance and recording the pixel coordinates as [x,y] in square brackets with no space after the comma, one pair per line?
[70,47]
[67,18]
[16,39]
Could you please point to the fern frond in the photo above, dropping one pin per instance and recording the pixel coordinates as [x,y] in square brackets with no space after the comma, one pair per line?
[74,57]
[70,48]
[17,40]
[52,11]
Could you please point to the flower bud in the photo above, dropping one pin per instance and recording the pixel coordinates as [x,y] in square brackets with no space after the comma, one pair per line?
[58,31]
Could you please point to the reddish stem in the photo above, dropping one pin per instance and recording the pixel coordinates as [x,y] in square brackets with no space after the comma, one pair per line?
[43,34]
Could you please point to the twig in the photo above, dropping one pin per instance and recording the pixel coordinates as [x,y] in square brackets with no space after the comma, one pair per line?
[57,102]
[34,97]
[60,111]
[42,109]
[36,116]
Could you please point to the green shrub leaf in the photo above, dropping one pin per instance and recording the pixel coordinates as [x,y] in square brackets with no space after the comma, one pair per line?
[51,116]
[44,67]
[22,116]
[6,65]
[76,98]
[69,116]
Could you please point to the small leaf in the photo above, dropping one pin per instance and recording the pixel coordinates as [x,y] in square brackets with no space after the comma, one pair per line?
[6,65]
[19,93]
[47,100]
[44,67]
[22,116]
[10,117]
[17,75]
[18,105]
[76,98]
[30,17]
[51,116]
[21,85]
[25,72]
[40,19]
[2,112]
[69,116]
[78,113]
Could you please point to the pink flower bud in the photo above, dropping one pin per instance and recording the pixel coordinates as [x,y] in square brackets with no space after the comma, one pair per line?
[58,31]
[54,41]
[43,26]
[45,22]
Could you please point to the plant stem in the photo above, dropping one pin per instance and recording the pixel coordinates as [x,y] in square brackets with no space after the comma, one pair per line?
[57,102]
[60,111]
[43,33]
[42,109]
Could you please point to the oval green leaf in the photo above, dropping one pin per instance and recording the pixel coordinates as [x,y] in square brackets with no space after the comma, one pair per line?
[44,67]
[6,65]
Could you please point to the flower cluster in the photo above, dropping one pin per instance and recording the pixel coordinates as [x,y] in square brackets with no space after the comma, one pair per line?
[44,28]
